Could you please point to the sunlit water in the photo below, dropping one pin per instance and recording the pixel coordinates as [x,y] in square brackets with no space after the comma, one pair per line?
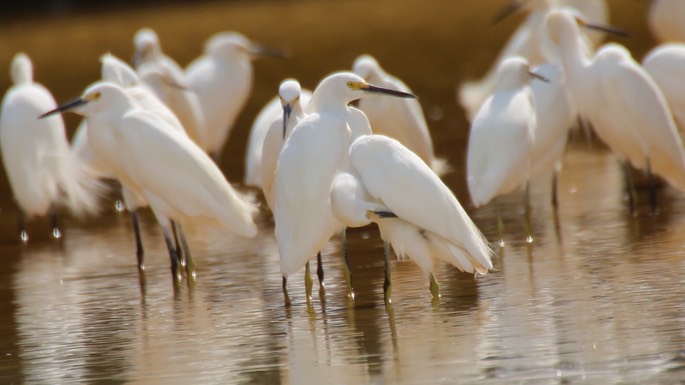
[596,298]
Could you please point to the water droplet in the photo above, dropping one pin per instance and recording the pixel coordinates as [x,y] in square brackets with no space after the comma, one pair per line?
[501,243]
[119,205]
[365,235]
[24,236]
[529,239]
[56,234]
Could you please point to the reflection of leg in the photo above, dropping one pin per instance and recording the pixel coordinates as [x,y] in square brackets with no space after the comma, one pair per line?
[632,191]
[387,283]
[21,222]
[434,286]
[173,253]
[190,264]
[308,282]
[319,269]
[54,232]
[286,297]
[652,187]
[346,265]
[140,252]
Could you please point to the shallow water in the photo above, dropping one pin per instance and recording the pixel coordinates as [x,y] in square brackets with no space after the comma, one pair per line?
[597,298]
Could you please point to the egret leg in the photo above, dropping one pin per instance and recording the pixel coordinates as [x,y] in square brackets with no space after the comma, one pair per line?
[526,209]
[140,252]
[632,191]
[21,223]
[555,199]
[177,243]
[286,297]
[173,253]
[652,187]
[387,283]
[346,265]
[190,263]
[434,287]
[319,269]
[308,282]
[500,224]
[54,232]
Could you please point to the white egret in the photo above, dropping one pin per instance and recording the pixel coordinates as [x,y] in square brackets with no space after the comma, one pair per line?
[501,140]
[270,113]
[623,103]
[315,151]
[665,20]
[291,98]
[178,180]
[528,41]
[168,81]
[118,72]
[397,118]
[554,116]
[35,153]
[222,79]
[414,210]
[666,65]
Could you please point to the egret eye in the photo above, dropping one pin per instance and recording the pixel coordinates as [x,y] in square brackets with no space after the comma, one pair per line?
[352,85]
[96,96]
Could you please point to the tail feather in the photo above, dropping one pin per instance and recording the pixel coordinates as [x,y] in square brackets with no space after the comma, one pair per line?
[82,192]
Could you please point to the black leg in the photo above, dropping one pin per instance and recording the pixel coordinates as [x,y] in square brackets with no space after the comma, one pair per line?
[319,269]
[387,282]
[173,254]
[630,186]
[286,297]
[177,243]
[140,252]
[190,264]
[346,266]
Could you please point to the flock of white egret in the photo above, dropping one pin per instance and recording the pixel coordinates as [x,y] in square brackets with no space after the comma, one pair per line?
[324,165]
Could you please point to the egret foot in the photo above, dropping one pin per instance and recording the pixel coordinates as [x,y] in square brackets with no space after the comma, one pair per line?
[308,282]
[286,297]
[434,287]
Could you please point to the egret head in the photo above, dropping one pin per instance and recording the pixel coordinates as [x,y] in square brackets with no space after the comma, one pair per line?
[345,87]
[564,23]
[21,70]
[515,72]
[97,97]
[365,66]
[117,71]
[233,43]
[289,92]
[146,44]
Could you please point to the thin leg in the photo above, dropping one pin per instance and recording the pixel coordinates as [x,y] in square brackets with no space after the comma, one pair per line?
[632,191]
[555,199]
[387,283]
[319,269]
[190,263]
[286,297]
[346,265]
[177,243]
[434,287]
[526,209]
[21,222]
[500,224]
[652,187]
[173,254]
[140,252]
[308,282]
[55,232]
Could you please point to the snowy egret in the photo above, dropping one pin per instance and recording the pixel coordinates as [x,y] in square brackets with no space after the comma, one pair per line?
[118,72]
[623,103]
[528,41]
[501,139]
[414,210]
[665,20]
[35,153]
[168,81]
[313,153]
[554,116]
[290,96]
[222,79]
[271,112]
[397,118]
[666,65]
[178,180]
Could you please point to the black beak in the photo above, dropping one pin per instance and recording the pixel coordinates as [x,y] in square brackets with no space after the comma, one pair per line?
[380,90]
[604,28]
[287,110]
[507,11]
[70,105]
[538,76]
[261,51]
